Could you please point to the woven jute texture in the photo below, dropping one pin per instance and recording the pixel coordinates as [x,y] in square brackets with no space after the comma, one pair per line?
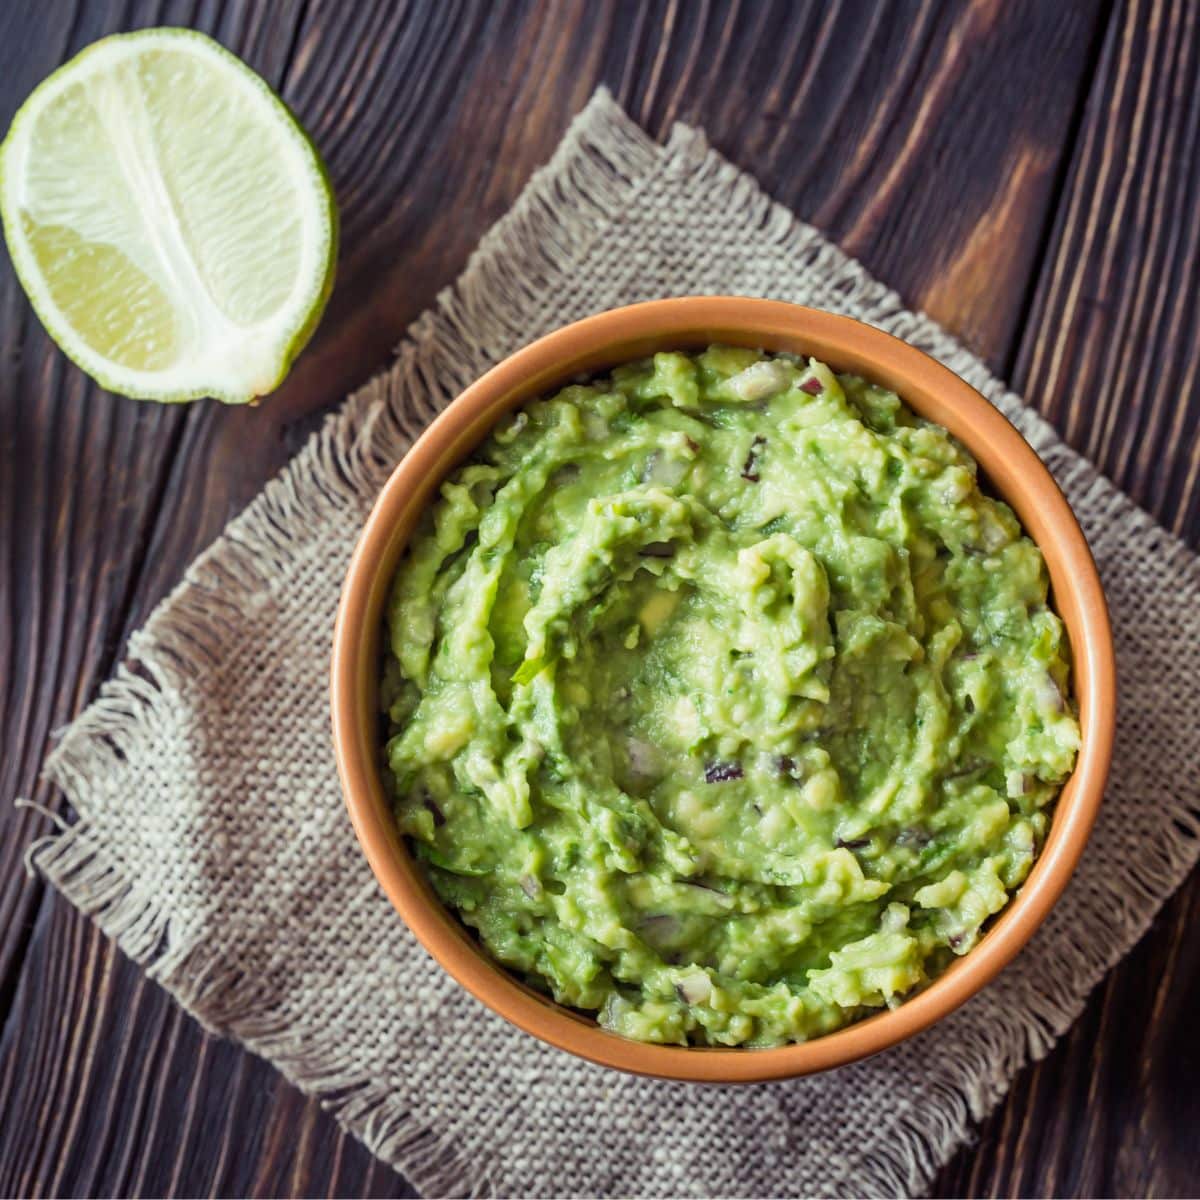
[210,840]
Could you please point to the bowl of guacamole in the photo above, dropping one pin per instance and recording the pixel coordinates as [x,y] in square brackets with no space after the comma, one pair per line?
[722,703]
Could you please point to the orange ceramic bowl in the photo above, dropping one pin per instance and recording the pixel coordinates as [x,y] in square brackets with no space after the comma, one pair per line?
[603,341]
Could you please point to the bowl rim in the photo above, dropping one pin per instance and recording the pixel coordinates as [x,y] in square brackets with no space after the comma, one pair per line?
[1015,472]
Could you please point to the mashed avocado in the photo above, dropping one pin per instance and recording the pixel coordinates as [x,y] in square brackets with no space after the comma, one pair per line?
[721,701]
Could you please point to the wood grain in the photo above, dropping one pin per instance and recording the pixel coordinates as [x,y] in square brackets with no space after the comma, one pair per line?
[1110,348]
[958,149]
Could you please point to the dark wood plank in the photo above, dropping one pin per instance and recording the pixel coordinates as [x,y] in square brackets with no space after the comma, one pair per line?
[1110,347]
[928,137]
[100,1075]
[1109,354]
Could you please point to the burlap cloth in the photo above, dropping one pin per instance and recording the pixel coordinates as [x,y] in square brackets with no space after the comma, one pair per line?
[211,841]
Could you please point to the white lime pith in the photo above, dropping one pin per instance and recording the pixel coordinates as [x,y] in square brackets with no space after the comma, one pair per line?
[169,220]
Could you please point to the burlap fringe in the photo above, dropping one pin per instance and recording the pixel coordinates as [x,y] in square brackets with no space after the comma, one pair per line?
[602,161]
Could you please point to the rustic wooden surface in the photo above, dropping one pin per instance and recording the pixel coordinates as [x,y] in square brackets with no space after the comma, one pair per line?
[1028,171]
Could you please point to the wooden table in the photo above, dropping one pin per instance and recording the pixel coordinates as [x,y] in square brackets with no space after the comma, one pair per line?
[1028,171]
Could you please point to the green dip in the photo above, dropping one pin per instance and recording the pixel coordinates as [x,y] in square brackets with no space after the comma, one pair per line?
[721,701]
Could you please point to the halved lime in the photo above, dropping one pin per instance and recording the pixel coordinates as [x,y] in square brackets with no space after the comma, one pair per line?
[170,221]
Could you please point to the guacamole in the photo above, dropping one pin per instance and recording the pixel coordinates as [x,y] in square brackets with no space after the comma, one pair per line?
[721,701]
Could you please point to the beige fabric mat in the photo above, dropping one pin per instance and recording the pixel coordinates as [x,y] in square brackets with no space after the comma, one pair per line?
[211,840]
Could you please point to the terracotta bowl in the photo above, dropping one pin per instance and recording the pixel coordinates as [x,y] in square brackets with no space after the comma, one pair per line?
[1013,471]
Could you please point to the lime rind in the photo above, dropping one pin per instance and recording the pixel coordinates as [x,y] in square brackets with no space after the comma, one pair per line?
[279,340]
